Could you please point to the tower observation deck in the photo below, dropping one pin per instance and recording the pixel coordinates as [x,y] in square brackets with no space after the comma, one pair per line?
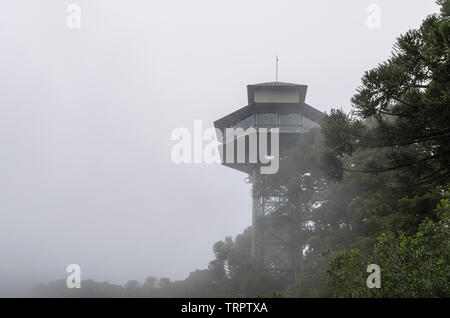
[274,109]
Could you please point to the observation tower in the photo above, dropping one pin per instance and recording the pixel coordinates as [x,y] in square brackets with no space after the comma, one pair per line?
[276,113]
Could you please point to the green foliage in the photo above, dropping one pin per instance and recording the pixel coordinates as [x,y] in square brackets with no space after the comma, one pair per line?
[347,274]
[402,109]
[411,266]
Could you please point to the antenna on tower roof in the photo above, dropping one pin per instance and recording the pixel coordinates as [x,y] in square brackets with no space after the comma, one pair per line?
[276,69]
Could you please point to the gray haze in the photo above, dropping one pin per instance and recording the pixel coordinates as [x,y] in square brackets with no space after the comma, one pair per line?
[86,117]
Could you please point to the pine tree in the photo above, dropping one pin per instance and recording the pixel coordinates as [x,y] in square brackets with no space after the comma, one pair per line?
[402,109]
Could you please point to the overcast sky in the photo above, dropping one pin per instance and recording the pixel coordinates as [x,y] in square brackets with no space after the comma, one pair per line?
[86,115]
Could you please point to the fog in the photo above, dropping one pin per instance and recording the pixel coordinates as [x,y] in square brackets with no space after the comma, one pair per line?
[86,175]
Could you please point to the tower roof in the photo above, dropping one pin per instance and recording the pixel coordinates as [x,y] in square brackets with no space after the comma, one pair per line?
[285,106]
[279,84]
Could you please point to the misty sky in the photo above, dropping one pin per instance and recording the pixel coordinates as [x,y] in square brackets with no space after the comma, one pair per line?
[86,116]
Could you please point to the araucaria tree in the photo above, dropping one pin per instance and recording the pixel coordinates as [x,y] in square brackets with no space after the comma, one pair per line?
[402,109]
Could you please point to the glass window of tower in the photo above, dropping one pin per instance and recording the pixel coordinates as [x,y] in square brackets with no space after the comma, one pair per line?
[266,119]
[308,124]
[290,122]
[246,122]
